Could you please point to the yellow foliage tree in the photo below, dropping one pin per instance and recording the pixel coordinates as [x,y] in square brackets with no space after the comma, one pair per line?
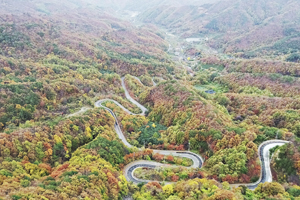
[57,139]
[168,189]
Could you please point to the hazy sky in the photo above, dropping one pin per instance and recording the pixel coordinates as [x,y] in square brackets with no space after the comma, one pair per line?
[117,4]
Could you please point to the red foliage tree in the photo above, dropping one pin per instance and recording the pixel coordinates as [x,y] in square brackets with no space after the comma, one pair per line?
[170,158]
[230,179]
[175,178]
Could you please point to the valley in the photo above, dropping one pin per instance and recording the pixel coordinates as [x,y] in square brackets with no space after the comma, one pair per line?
[158,100]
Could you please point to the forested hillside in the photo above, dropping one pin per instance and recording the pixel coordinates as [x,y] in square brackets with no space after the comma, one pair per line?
[257,29]
[96,107]
[48,66]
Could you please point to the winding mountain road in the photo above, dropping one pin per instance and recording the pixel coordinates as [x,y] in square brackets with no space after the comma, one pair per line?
[144,110]
[264,156]
[266,175]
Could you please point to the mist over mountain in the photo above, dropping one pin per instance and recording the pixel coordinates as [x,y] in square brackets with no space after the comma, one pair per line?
[237,25]
[149,99]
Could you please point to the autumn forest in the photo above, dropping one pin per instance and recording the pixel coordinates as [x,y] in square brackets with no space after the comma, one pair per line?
[149,100]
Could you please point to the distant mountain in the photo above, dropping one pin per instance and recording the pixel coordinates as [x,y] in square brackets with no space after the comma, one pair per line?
[247,28]
[237,25]
[142,5]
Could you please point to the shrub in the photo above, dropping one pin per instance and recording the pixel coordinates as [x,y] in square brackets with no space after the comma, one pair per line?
[25,183]
[222,100]
[294,192]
